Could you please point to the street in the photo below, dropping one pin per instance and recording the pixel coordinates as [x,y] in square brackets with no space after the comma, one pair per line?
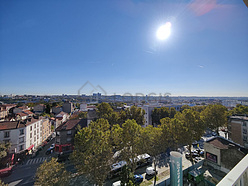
[24,173]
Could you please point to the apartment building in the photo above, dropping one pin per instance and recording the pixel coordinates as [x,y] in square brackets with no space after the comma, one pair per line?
[65,134]
[23,135]
[46,128]
[237,129]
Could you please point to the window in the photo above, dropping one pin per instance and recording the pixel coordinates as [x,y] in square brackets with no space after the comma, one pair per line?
[35,132]
[30,135]
[244,131]
[244,138]
[21,131]
[34,139]
[20,147]
[244,123]
[68,139]
[6,134]
[21,140]
[69,132]
[38,130]
[37,136]
[35,126]
[30,128]
[30,142]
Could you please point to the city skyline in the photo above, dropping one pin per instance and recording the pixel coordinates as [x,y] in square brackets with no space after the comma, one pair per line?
[56,47]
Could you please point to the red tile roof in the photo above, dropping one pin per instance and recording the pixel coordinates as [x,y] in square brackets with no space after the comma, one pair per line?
[8,125]
[28,112]
[70,124]
[22,114]
[220,143]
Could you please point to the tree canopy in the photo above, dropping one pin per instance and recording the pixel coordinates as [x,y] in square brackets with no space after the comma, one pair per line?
[93,151]
[215,116]
[51,173]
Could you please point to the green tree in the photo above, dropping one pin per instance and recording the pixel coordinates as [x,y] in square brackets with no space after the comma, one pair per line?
[2,183]
[215,116]
[93,151]
[240,110]
[113,118]
[193,126]
[159,113]
[104,110]
[130,143]
[4,147]
[48,108]
[51,173]
[153,136]
[172,112]
[185,107]
[137,114]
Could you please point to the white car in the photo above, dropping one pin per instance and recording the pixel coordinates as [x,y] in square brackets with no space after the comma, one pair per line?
[150,171]
[52,146]
[117,183]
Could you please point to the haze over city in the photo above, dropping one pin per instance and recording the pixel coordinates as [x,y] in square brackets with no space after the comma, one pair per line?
[54,47]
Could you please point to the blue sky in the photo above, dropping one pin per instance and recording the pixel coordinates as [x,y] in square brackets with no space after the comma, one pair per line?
[55,46]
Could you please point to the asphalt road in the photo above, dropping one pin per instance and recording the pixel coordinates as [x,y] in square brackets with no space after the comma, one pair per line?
[23,174]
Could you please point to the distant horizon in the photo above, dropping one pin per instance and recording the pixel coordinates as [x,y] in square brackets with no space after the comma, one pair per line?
[204,96]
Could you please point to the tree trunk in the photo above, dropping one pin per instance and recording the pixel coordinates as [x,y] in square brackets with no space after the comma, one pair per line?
[155,168]
[191,158]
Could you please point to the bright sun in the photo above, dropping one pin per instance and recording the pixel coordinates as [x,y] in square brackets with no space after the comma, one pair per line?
[164,31]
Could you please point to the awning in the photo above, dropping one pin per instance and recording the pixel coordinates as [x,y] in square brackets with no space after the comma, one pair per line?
[29,148]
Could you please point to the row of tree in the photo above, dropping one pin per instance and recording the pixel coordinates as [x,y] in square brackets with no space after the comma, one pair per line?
[96,144]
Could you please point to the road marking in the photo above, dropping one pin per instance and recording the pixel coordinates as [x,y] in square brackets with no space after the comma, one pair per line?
[36,160]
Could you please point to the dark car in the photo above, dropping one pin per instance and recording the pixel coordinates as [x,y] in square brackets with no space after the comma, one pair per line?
[49,151]
[64,156]
[138,178]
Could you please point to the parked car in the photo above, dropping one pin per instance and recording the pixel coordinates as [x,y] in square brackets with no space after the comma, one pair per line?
[49,151]
[52,146]
[150,171]
[117,183]
[138,178]
[197,159]
[187,155]
[64,156]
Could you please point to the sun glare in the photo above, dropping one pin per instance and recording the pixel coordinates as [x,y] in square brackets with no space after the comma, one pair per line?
[164,31]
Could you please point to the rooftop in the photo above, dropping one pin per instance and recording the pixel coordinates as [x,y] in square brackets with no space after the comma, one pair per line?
[70,124]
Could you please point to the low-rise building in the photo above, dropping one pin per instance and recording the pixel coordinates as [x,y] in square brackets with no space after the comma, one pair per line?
[20,109]
[56,110]
[61,118]
[65,133]
[219,153]
[4,111]
[39,109]
[67,107]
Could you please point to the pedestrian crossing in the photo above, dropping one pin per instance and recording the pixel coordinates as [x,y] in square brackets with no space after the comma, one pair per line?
[36,160]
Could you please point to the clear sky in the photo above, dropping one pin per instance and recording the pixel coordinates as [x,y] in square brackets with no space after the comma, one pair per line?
[55,46]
